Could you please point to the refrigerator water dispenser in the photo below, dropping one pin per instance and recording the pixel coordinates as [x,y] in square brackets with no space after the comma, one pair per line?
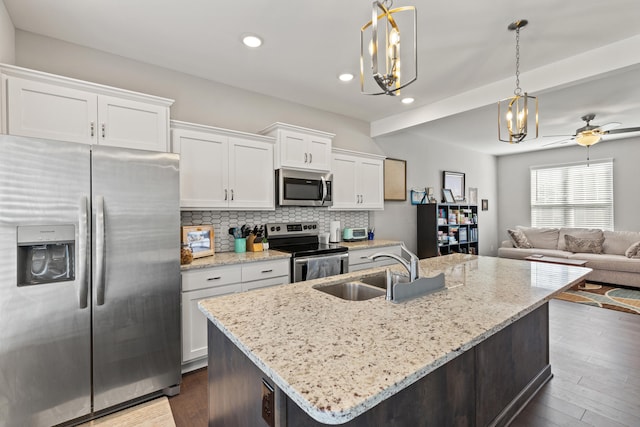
[45,254]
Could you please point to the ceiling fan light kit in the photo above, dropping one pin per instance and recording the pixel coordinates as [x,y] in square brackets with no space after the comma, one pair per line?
[382,46]
[514,124]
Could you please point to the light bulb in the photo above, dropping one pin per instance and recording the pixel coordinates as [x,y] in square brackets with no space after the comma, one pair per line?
[394,37]
[252,40]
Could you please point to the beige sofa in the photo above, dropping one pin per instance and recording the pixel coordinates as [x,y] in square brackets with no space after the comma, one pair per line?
[614,256]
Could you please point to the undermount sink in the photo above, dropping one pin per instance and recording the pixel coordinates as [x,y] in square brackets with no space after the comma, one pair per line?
[351,291]
[380,280]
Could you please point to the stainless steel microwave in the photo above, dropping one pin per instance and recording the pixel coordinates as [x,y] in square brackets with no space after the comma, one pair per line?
[298,188]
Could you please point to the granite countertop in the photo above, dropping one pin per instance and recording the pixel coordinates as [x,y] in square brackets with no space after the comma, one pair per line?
[365,244]
[226,258]
[336,358]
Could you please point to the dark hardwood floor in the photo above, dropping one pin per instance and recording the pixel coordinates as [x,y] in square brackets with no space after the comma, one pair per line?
[595,358]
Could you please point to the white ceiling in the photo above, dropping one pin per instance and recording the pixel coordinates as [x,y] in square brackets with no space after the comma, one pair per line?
[578,56]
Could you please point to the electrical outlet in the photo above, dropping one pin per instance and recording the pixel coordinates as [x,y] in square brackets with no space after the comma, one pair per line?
[268,404]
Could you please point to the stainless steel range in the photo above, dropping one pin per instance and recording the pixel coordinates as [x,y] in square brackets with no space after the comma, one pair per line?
[310,259]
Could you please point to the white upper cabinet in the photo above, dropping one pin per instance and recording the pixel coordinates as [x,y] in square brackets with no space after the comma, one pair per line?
[300,148]
[41,105]
[222,169]
[358,180]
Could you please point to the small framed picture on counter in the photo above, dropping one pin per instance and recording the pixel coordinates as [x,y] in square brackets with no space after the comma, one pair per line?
[199,238]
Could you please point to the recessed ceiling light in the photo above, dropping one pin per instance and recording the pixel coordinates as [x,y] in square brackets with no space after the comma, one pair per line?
[407,100]
[251,40]
[345,77]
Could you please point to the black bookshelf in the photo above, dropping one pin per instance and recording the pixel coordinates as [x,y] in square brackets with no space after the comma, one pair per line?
[445,228]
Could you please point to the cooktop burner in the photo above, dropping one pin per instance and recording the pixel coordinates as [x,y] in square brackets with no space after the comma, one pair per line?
[299,239]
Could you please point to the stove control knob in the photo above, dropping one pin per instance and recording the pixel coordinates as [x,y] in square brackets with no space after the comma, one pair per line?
[273,229]
[304,227]
[314,226]
[278,228]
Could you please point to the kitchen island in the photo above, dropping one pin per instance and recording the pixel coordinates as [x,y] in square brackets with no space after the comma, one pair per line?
[471,354]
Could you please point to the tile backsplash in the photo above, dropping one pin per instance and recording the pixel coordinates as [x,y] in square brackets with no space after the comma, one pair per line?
[223,220]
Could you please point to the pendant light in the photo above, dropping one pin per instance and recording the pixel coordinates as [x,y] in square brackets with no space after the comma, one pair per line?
[514,113]
[380,42]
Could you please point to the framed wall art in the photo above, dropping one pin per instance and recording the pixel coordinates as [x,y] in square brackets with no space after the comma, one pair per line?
[454,181]
[395,179]
[448,195]
[473,196]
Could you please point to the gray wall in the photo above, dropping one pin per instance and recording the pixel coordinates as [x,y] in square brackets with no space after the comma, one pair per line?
[197,100]
[7,37]
[425,162]
[514,181]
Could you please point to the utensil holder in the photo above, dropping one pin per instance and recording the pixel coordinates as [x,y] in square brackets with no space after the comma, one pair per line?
[240,245]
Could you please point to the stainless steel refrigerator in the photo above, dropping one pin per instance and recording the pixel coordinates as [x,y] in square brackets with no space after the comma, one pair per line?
[89,279]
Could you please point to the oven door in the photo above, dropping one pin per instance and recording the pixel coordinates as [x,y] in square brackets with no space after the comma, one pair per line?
[315,267]
[296,188]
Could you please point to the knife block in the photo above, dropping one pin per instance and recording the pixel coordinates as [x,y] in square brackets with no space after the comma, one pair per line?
[252,246]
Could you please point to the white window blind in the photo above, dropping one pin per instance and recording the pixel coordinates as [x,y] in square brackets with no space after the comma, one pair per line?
[574,195]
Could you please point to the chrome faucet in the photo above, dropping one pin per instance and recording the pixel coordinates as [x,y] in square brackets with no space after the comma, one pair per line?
[408,259]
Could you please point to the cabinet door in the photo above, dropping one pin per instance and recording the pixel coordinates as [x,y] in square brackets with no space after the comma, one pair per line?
[194,323]
[293,150]
[345,194]
[204,169]
[251,176]
[371,184]
[42,110]
[319,149]
[132,124]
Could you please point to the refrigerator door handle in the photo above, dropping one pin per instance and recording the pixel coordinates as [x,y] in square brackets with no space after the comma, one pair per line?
[100,251]
[83,223]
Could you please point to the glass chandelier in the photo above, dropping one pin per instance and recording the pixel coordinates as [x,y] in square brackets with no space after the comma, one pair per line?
[382,38]
[513,112]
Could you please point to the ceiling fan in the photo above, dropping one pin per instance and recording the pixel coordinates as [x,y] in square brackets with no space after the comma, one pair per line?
[590,134]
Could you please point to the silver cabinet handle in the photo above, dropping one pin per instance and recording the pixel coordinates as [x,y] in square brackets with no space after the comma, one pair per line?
[83,259]
[225,194]
[100,251]
[267,271]
[305,157]
[92,127]
[232,194]
[104,131]
[310,158]
[215,278]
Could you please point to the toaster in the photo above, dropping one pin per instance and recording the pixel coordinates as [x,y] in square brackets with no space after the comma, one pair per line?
[352,234]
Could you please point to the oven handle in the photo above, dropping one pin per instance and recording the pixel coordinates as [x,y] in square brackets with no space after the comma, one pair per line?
[306,259]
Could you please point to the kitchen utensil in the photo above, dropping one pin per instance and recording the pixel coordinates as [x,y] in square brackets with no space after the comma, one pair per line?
[334,231]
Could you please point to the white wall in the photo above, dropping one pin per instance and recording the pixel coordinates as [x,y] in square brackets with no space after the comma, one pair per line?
[425,162]
[196,100]
[7,37]
[514,181]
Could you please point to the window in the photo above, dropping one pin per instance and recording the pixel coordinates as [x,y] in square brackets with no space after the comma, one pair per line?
[573,195]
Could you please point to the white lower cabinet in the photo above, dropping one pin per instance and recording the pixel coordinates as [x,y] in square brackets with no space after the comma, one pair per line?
[359,258]
[211,282]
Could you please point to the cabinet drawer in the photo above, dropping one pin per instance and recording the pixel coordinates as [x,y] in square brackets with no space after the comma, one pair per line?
[360,256]
[256,284]
[210,277]
[265,270]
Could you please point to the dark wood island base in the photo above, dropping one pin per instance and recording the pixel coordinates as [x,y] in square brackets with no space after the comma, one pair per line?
[486,385]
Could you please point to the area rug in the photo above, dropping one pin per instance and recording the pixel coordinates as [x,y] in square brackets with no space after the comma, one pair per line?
[620,299]
[156,413]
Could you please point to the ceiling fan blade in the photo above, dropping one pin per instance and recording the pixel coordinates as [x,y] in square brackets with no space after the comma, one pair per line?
[624,130]
[609,126]
[561,142]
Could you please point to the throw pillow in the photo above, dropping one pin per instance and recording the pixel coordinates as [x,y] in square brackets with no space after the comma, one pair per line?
[519,239]
[583,245]
[633,251]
